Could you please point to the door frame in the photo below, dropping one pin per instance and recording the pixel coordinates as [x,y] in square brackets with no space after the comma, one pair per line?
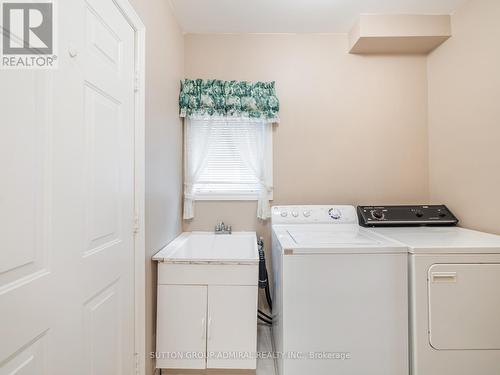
[139,184]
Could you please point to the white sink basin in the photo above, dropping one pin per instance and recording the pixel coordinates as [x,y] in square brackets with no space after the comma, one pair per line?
[207,247]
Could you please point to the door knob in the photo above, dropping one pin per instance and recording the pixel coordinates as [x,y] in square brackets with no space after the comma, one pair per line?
[72,51]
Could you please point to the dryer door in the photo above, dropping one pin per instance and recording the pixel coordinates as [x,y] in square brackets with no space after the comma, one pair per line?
[464,306]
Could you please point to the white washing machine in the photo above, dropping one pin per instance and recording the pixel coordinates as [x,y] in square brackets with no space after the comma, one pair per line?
[454,293]
[340,295]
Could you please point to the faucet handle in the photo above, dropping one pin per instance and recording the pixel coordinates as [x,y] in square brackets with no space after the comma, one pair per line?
[223,228]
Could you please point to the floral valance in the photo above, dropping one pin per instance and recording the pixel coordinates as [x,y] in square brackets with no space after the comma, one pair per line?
[213,97]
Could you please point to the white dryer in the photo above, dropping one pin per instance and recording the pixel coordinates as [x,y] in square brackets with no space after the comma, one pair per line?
[340,295]
[454,294]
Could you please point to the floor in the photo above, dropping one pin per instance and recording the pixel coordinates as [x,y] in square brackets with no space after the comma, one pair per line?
[265,366]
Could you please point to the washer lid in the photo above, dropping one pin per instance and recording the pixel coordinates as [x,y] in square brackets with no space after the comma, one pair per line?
[324,237]
[333,239]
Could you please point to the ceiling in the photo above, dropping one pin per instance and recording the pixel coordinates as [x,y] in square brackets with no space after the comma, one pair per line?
[292,16]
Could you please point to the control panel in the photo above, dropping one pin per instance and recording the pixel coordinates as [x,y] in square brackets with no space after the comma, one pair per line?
[332,214]
[378,216]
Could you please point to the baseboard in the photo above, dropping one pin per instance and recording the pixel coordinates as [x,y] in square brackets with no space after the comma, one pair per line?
[208,372]
[156,371]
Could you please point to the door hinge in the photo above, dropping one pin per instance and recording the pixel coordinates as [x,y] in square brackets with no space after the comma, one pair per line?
[137,224]
[136,360]
[137,79]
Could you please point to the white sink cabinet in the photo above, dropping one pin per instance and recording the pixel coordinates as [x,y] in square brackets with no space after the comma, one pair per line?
[207,302]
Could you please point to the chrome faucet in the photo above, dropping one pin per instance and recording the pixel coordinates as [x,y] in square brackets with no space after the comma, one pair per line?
[222,228]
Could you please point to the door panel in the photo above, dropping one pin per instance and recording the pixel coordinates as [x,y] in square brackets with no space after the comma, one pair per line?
[464,306]
[25,225]
[102,40]
[232,326]
[103,135]
[25,174]
[103,334]
[181,326]
[29,360]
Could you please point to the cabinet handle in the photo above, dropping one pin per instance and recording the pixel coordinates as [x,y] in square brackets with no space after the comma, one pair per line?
[209,328]
[203,328]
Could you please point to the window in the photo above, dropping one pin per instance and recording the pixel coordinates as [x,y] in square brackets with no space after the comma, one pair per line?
[227,159]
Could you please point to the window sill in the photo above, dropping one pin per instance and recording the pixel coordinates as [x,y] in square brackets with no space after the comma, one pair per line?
[226,198]
[229,197]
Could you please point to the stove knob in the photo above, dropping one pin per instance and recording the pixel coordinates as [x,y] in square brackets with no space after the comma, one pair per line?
[284,214]
[306,213]
[334,213]
[295,214]
[419,213]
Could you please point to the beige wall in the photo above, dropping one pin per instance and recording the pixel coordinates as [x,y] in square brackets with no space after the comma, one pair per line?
[353,128]
[164,69]
[464,114]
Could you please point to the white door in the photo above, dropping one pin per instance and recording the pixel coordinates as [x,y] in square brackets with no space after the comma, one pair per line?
[182,326]
[66,202]
[232,327]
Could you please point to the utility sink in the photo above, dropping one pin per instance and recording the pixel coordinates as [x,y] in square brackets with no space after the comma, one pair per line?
[207,247]
[207,291]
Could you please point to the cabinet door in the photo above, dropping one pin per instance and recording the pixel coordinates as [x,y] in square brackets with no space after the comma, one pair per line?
[232,327]
[181,328]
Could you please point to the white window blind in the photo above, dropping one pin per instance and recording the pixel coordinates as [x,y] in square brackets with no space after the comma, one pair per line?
[227,159]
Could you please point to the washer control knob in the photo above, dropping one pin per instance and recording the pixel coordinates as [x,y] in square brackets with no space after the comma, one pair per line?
[295,214]
[284,214]
[377,214]
[335,213]
[306,213]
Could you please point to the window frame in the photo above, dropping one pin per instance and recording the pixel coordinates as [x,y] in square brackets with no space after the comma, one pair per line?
[235,195]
